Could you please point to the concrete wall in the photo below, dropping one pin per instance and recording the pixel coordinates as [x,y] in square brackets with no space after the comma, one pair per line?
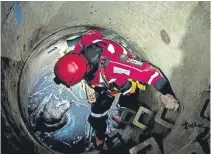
[173,35]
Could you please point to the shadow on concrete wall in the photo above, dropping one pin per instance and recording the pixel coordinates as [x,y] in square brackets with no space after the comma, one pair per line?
[195,70]
[14,138]
[195,46]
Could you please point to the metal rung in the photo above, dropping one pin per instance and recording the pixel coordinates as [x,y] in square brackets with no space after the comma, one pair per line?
[204,105]
[149,142]
[159,120]
[114,139]
[140,111]
[125,113]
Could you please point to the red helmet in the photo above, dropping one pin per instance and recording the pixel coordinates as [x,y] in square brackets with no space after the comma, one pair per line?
[71,68]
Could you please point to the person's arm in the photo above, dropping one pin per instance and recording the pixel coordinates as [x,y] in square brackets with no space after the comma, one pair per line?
[66,45]
[87,39]
[128,72]
[129,77]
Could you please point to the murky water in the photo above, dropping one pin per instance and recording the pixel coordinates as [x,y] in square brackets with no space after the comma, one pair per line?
[76,134]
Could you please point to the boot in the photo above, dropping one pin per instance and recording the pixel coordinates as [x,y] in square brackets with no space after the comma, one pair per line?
[117,116]
[99,143]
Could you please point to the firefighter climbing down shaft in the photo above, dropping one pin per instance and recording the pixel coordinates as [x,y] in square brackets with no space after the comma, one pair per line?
[108,70]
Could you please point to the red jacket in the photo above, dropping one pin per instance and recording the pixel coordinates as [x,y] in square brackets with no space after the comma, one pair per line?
[120,65]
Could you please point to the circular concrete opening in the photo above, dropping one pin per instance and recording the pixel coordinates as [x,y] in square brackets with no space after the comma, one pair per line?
[45,105]
[174,36]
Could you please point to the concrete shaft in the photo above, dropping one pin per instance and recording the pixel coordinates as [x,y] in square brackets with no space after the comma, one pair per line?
[173,35]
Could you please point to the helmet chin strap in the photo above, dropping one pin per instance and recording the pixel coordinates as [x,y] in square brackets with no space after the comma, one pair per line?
[88,66]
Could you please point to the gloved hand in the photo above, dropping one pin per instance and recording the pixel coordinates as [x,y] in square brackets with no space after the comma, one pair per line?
[169,101]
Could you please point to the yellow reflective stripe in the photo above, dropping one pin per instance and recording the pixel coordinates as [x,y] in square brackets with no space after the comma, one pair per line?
[141,86]
[115,89]
[133,86]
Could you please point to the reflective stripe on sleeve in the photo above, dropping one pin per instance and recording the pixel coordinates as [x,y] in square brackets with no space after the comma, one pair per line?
[152,77]
[128,91]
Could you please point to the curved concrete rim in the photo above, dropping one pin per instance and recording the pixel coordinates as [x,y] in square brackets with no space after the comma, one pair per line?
[172,35]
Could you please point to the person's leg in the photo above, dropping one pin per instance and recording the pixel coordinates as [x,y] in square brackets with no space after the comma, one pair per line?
[130,102]
[98,116]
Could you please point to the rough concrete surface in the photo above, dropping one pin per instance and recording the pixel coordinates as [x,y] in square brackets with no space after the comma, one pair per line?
[173,35]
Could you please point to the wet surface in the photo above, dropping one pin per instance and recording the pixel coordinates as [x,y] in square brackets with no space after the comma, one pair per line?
[76,129]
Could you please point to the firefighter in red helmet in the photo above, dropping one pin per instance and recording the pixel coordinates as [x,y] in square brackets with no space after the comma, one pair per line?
[109,69]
